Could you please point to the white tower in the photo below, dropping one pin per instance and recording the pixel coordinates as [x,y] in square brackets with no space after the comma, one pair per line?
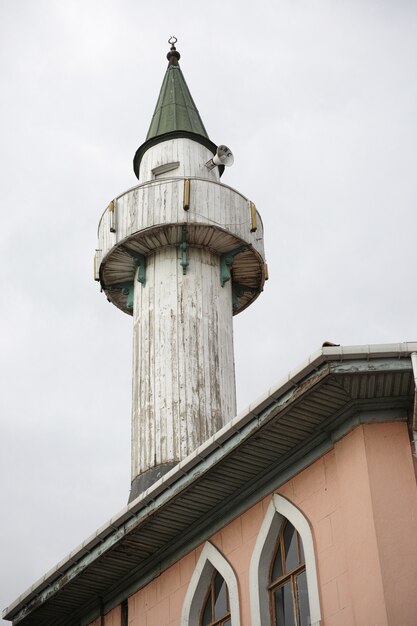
[181,253]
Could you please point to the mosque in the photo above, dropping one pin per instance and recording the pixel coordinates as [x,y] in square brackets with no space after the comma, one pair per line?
[301,510]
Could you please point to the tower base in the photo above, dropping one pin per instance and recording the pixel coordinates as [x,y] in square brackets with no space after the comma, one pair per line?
[142,482]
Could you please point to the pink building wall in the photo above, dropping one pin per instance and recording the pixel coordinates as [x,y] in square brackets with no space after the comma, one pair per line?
[361,502]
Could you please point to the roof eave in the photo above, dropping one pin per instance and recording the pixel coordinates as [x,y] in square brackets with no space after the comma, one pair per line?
[177,479]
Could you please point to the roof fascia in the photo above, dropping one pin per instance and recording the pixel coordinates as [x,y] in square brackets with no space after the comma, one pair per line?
[318,365]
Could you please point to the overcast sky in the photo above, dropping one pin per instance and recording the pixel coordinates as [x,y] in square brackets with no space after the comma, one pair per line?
[318,101]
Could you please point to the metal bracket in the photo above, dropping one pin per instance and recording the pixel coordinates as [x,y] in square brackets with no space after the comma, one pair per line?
[237,291]
[129,292]
[226,262]
[186,199]
[140,262]
[126,289]
[112,210]
[253,215]
[184,262]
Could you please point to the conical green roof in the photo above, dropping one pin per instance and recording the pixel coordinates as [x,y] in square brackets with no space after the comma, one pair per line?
[175,109]
[175,114]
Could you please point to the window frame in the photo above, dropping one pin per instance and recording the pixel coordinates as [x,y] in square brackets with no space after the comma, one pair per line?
[287,576]
[279,510]
[210,561]
[211,594]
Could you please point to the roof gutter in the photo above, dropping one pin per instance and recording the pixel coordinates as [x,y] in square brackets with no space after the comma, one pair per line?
[161,491]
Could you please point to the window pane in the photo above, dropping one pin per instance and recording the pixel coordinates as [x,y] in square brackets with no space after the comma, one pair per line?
[284,612]
[303,608]
[228,622]
[290,547]
[207,614]
[220,597]
[277,566]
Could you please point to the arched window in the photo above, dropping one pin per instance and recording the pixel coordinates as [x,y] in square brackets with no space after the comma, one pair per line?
[212,597]
[216,610]
[287,580]
[282,574]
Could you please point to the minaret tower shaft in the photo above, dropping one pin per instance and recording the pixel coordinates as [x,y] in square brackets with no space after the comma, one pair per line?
[181,253]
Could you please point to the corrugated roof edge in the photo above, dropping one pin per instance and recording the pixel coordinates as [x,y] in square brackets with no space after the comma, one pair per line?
[311,364]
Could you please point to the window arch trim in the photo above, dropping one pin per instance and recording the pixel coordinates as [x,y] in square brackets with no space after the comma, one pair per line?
[280,508]
[210,560]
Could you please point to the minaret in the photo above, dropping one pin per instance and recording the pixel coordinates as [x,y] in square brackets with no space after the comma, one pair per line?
[181,253]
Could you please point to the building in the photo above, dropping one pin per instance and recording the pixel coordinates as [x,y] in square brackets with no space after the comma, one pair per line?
[300,510]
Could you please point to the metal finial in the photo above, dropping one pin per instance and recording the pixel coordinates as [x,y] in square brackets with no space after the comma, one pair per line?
[173,56]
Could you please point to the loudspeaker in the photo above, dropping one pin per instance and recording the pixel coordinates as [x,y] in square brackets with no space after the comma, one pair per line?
[223,156]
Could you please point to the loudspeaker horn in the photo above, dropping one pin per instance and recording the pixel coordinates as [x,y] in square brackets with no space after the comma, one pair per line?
[223,156]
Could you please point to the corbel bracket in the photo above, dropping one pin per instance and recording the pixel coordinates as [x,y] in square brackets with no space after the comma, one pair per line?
[183,245]
[129,291]
[126,289]
[226,262]
[140,262]
[237,291]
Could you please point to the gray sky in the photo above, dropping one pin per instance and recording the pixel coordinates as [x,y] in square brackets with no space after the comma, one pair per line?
[316,98]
